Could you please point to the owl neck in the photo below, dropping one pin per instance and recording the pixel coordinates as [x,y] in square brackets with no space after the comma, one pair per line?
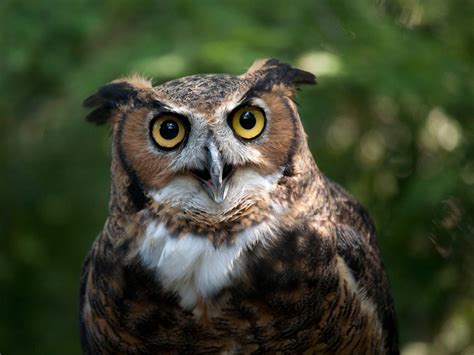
[303,190]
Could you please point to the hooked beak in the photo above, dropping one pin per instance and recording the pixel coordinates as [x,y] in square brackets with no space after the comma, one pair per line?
[214,178]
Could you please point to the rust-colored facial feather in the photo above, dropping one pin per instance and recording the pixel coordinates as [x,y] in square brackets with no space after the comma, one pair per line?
[205,103]
[155,166]
[282,131]
[133,135]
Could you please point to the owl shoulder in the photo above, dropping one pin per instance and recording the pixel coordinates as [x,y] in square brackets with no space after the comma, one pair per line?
[356,245]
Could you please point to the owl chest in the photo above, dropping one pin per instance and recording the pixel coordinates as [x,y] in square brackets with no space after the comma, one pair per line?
[295,305]
[190,266]
[288,297]
[277,303]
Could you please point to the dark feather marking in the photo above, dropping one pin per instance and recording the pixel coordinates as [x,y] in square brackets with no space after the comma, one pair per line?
[288,75]
[288,171]
[275,73]
[106,100]
[109,96]
[134,189]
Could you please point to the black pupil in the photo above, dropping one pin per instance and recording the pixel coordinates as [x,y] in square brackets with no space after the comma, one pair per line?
[169,129]
[247,120]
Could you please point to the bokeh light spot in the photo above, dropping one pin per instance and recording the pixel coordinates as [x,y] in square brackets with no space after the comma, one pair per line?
[440,131]
[320,63]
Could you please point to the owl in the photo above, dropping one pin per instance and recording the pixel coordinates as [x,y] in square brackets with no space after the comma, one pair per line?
[223,236]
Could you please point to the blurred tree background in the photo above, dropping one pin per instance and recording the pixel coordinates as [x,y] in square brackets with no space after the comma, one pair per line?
[391,120]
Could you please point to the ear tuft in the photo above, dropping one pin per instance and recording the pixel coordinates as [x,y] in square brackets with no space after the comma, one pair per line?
[110,96]
[271,72]
[257,65]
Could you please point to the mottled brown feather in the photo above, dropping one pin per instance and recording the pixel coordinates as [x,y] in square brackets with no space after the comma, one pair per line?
[318,286]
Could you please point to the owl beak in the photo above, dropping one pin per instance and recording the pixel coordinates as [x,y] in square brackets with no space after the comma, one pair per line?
[215,176]
[217,186]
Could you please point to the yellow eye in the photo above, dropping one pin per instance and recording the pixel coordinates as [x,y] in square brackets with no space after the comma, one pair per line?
[168,131]
[248,122]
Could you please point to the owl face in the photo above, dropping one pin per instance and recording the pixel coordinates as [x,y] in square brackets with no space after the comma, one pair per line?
[204,143]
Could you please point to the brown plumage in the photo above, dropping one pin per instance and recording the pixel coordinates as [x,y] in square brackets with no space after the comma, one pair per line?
[221,243]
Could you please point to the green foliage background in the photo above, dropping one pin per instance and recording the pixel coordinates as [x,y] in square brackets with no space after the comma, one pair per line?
[391,120]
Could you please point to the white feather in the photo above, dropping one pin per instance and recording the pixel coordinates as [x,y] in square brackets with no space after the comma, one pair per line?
[191,266]
[186,193]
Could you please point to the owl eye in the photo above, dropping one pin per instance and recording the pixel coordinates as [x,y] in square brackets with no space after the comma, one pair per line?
[168,131]
[248,122]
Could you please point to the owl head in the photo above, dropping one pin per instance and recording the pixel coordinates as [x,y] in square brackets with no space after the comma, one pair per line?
[207,148]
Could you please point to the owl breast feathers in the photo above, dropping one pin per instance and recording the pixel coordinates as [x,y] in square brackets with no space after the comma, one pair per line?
[223,236]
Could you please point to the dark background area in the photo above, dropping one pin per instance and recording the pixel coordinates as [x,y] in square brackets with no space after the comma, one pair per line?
[391,120]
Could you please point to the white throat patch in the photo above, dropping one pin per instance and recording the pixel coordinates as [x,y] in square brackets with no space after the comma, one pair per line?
[191,266]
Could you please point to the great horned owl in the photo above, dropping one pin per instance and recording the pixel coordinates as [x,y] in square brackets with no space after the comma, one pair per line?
[223,236]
